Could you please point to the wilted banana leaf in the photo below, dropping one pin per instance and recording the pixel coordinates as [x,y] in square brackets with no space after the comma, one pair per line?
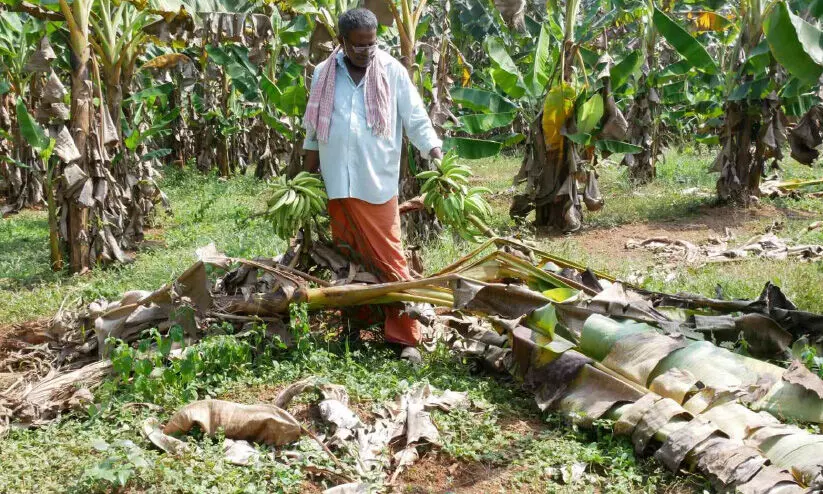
[713,443]
[638,351]
[557,108]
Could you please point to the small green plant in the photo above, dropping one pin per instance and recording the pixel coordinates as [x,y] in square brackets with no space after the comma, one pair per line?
[123,460]
[811,360]
[294,203]
[446,191]
[300,329]
[149,373]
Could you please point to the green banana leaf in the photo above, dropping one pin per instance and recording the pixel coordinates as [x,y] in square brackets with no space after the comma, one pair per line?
[795,43]
[480,123]
[504,71]
[481,101]
[508,140]
[538,77]
[621,71]
[472,149]
[30,130]
[685,44]
[590,114]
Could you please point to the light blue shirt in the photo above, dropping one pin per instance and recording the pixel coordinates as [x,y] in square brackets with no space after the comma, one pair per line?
[356,163]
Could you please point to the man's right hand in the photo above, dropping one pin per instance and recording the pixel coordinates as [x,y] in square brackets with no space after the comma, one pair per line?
[311,162]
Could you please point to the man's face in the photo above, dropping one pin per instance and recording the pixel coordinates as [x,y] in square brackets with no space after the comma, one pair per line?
[360,46]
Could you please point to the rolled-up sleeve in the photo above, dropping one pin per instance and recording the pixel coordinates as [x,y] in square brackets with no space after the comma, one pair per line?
[412,112]
[310,142]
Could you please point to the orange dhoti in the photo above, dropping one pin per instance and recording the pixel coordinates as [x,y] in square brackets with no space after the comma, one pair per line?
[372,232]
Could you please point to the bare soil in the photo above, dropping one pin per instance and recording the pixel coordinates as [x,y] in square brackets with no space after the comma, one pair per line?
[608,245]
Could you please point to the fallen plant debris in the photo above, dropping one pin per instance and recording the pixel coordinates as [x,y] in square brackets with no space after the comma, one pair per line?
[404,421]
[768,246]
[584,343]
[795,188]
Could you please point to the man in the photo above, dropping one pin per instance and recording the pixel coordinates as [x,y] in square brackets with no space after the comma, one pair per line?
[361,101]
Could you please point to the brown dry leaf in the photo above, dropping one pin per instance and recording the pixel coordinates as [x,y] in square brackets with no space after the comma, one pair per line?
[266,424]
[350,488]
[381,10]
[657,416]
[682,441]
[631,416]
[591,195]
[800,375]
[508,301]
[153,431]
[593,393]
[40,60]
[167,61]
[64,146]
[807,136]
[729,462]
[513,12]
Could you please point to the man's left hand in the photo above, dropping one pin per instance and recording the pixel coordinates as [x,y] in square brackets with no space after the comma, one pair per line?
[436,153]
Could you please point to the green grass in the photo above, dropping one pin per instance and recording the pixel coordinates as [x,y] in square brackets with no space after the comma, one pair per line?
[91,453]
[204,209]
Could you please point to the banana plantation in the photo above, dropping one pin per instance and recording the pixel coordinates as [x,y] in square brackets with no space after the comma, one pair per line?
[599,269]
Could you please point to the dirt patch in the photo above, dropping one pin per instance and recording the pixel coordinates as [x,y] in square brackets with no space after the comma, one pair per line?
[608,245]
[31,332]
[436,473]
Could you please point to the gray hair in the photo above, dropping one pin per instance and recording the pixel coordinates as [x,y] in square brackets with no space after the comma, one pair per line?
[356,19]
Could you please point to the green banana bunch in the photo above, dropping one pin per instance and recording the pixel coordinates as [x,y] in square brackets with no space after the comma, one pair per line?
[294,202]
[446,191]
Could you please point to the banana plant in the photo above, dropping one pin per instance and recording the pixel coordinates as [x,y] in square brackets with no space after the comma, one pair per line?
[117,40]
[22,63]
[44,147]
[771,40]
[579,120]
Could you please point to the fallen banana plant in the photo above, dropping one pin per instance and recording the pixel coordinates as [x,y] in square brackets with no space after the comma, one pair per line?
[583,342]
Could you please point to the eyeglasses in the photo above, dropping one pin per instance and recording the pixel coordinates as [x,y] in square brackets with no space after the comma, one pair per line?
[360,50]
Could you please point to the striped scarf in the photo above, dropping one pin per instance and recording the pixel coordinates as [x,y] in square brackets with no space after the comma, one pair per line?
[377,91]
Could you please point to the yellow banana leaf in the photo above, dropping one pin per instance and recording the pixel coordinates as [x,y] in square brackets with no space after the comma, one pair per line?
[557,108]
